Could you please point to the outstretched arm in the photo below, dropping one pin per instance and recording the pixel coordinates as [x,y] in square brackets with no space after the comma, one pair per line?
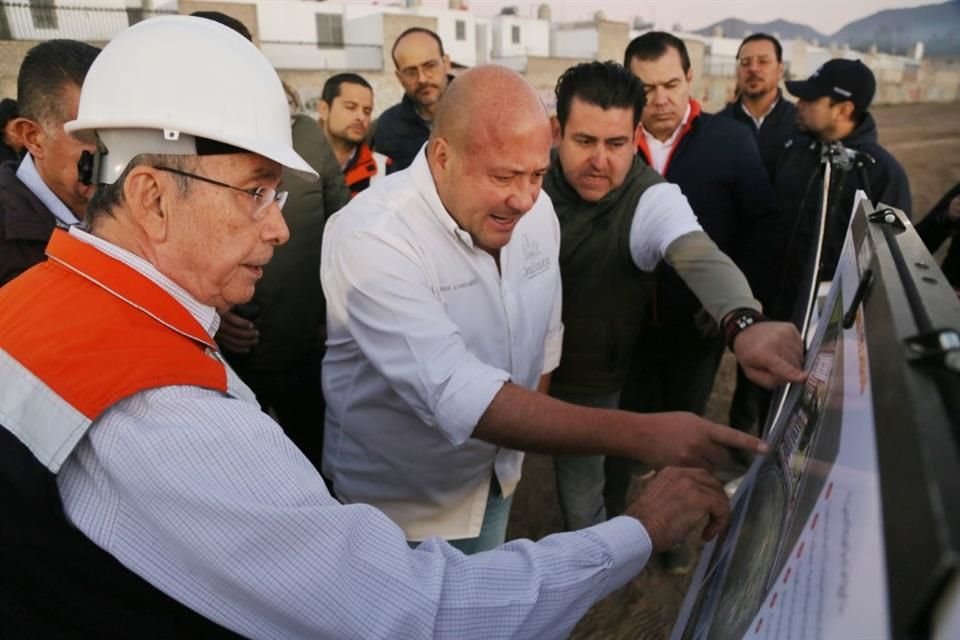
[770,353]
[530,421]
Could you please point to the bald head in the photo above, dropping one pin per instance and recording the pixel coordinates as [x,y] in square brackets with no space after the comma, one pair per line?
[488,153]
[488,105]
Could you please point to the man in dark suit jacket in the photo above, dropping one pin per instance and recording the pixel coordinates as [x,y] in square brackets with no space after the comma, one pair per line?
[760,103]
[44,189]
[761,106]
[716,164]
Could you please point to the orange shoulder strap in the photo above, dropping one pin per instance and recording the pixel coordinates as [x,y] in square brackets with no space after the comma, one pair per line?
[96,331]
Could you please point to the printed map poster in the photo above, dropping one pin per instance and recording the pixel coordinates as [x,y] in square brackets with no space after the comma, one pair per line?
[804,556]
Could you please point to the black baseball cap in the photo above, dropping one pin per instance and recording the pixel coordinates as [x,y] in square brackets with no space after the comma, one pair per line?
[840,79]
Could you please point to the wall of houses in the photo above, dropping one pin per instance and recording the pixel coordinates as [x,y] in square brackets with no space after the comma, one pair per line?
[545,50]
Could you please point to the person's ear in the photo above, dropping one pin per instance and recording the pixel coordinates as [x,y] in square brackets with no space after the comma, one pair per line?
[149,201]
[323,110]
[845,111]
[32,134]
[438,151]
[556,130]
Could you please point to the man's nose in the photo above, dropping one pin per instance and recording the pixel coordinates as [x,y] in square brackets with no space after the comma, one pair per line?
[598,157]
[275,230]
[523,196]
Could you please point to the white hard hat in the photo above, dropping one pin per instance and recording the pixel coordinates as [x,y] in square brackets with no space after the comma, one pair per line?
[166,82]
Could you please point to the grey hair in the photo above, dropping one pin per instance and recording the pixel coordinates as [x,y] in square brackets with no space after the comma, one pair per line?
[106,197]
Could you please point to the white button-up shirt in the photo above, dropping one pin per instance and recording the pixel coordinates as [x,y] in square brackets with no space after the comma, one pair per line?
[423,331]
[660,151]
[758,122]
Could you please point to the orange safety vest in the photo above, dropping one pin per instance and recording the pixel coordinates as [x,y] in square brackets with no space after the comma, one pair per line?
[364,168]
[83,331]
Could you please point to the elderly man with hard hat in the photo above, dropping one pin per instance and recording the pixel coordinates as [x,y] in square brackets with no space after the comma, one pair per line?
[142,492]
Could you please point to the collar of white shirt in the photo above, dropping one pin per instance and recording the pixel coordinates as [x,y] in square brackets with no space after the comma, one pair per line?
[759,121]
[28,175]
[660,151]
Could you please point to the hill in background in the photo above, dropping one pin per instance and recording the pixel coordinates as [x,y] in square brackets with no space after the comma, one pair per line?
[892,31]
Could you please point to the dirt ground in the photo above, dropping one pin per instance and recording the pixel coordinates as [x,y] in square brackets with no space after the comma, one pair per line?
[925,138]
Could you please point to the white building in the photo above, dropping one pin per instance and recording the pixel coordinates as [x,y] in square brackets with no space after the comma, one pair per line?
[94,21]
[575,40]
[514,36]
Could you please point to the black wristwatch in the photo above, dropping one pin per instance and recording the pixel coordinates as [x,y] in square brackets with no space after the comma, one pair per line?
[737,321]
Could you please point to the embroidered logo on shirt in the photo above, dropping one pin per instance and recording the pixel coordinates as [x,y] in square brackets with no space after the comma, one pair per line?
[534,265]
[531,248]
[459,285]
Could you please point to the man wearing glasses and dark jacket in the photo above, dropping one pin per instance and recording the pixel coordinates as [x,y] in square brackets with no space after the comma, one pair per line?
[424,71]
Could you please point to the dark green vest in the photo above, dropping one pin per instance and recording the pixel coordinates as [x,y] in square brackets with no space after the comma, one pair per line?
[605,295]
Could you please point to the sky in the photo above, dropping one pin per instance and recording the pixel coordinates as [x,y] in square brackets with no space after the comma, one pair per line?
[826,16]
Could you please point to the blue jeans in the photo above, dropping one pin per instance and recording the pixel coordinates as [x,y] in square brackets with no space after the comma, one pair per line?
[580,478]
[493,531]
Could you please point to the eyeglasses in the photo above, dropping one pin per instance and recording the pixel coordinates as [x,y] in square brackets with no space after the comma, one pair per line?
[263,197]
[428,68]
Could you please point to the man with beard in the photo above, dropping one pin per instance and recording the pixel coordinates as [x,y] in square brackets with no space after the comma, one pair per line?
[760,103]
[423,70]
[345,107]
[832,107]
[761,106]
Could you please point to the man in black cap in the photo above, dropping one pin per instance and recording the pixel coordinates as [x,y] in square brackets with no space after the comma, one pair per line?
[832,107]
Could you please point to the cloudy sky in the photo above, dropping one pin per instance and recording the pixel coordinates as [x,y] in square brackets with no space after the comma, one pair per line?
[826,16]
